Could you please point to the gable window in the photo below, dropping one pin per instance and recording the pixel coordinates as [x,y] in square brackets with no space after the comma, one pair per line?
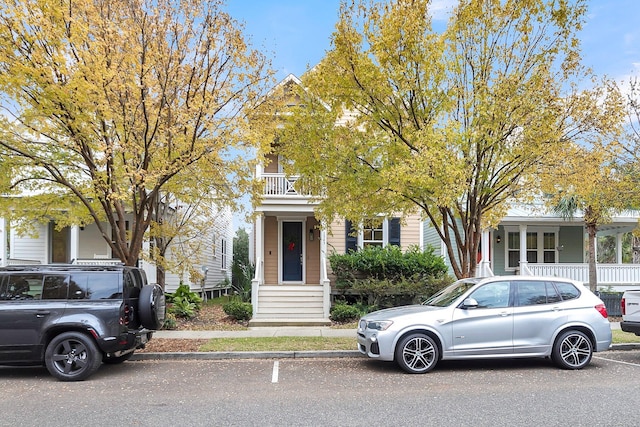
[540,247]
[374,232]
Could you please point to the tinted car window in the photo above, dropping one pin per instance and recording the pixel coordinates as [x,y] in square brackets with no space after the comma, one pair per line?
[492,295]
[4,294]
[131,284]
[531,293]
[536,292]
[55,287]
[567,290]
[552,293]
[102,285]
[22,287]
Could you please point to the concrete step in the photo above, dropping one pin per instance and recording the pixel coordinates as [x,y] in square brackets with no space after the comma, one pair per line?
[267,322]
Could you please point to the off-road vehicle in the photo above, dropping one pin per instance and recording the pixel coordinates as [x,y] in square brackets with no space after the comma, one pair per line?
[73,318]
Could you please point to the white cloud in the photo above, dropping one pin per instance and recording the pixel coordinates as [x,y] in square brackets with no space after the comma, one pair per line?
[441,9]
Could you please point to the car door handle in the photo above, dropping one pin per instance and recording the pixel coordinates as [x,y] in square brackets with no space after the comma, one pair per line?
[505,313]
[42,313]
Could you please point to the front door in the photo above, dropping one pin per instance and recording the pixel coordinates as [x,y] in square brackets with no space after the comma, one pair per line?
[292,251]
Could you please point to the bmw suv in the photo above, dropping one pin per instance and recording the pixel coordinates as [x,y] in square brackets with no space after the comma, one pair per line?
[73,318]
[496,317]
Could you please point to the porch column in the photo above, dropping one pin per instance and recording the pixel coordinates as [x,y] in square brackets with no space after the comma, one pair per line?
[619,248]
[324,280]
[484,269]
[4,255]
[524,264]
[259,262]
[149,268]
[74,244]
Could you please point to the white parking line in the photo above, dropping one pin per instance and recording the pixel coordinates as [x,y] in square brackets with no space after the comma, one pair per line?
[274,376]
[616,361]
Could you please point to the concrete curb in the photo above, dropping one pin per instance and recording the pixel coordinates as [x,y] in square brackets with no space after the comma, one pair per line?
[326,354]
[221,355]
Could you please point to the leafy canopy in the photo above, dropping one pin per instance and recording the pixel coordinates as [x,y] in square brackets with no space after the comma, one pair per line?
[108,104]
[399,118]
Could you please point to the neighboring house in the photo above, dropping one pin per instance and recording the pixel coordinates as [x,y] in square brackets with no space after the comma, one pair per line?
[292,284]
[85,245]
[530,240]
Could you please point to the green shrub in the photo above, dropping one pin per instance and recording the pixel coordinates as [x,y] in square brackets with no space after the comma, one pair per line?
[386,263]
[387,277]
[238,310]
[344,313]
[183,302]
[169,321]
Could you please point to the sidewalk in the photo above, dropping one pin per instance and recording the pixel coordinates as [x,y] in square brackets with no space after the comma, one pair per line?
[261,332]
[266,332]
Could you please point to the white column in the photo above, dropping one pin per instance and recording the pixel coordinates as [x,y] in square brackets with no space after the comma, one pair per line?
[524,264]
[4,253]
[74,237]
[259,262]
[484,269]
[619,248]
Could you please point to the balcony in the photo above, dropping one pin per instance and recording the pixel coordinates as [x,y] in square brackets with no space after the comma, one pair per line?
[279,185]
[608,274]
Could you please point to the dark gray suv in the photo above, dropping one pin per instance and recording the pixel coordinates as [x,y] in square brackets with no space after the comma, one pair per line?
[73,318]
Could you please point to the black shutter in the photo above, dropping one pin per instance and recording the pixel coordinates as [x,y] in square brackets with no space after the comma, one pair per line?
[394,231]
[351,243]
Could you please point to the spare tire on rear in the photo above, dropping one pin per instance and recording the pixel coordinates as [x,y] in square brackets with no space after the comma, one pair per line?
[151,306]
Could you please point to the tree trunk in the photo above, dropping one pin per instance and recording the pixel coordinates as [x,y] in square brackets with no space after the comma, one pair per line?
[593,272]
[636,249]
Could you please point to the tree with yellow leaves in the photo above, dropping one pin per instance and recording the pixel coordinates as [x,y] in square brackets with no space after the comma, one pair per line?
[109,105]
[587,181]
[455,125]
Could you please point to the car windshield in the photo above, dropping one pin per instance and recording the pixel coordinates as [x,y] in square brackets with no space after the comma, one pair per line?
[449,294]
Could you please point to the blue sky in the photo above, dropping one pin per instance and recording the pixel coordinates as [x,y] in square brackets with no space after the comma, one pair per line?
[295,33]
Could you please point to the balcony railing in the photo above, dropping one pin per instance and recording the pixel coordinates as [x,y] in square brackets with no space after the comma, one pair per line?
[608,274]
[278,184]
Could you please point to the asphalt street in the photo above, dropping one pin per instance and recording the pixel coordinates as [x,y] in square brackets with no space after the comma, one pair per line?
[328,392]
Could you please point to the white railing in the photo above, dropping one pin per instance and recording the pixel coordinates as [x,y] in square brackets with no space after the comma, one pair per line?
[608,274]
[16,261]
[278,184]
[97,261]
[255,284]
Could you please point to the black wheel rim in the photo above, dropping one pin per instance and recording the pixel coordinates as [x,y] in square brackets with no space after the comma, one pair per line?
[70,357]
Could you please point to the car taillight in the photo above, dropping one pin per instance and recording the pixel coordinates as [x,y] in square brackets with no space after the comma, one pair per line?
[623,308]
[126,317]
[602,309]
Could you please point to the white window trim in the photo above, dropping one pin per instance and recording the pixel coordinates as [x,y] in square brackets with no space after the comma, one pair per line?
[385,234]
[540,240]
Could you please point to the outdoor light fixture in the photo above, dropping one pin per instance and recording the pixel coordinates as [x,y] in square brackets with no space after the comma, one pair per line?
[498,239]
[311,234]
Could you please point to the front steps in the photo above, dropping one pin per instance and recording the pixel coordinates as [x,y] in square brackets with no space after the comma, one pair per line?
[290,305]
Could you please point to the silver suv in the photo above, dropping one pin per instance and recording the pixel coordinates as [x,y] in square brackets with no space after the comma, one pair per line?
[497,317]
[73,318]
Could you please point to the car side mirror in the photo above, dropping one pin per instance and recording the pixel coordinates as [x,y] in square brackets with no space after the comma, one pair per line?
[469,303]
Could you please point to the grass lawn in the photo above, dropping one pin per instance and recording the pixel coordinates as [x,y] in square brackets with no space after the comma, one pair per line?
[323,343]
[279,344]
[620,337]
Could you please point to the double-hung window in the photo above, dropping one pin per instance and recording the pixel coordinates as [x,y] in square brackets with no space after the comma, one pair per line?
[374,232]
[541,244]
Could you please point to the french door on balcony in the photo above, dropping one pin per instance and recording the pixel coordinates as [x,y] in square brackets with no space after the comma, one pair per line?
[292,258]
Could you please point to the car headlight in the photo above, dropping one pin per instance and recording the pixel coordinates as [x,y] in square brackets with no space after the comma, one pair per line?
[379,325]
